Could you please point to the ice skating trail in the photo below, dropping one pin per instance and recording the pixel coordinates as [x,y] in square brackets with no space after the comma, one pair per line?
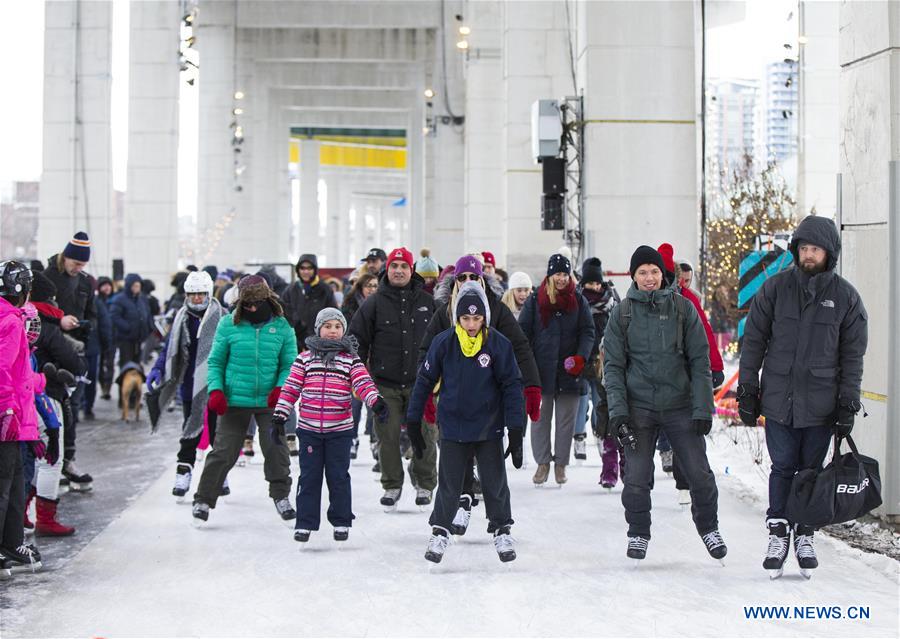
[152,574]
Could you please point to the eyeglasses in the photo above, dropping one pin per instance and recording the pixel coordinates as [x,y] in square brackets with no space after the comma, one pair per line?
[372,285]
[248,307]
[467,276]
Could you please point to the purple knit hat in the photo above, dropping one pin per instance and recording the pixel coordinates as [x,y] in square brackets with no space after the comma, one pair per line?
[468,264]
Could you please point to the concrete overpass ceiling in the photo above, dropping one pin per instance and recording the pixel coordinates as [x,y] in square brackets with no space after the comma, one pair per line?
[342,99]
[338,44]
[385,75]
[347,14]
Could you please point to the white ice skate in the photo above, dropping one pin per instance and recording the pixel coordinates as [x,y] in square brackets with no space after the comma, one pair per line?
[437,544]
[390,499]
[505,545]
[463,515]
[182,482]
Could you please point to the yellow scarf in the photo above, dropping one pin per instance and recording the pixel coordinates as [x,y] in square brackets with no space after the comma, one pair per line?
[469,345]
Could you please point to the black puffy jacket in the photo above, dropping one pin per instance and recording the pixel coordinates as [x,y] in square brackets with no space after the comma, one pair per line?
[302,303]
[809,334]
[390,325]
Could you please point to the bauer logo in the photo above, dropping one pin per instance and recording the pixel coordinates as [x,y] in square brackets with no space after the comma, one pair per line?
[484,360]
[852,489]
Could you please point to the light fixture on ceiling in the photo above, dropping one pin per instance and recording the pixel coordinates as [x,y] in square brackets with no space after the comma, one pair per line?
[462,45]
[429,93]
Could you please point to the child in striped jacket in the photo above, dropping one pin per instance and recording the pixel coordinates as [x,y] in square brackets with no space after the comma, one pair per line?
[322,378]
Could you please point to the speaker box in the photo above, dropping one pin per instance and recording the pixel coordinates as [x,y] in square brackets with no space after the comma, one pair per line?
[552,211]
[554,170]
[118,270]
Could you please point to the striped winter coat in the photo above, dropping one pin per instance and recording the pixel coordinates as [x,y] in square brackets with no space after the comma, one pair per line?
[325,393]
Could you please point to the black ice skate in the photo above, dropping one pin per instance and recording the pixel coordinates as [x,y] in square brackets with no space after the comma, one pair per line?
[803,548]
[504,544]
[200,513]
[25,558]
[666,457]
[423,496]
[440,539]
[580,444]
[341,533]
[463,515]
[715,545]
[390,499]
[78,481]
[637,548]
[779,545]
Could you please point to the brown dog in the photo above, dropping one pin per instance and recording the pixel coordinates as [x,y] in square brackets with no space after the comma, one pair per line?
[131,382]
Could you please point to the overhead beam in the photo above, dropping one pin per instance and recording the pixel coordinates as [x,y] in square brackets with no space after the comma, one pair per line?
[357,14]
[405,45]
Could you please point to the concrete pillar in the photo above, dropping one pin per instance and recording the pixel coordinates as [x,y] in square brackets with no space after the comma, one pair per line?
[637,68]
[309,196]
[215,192]
[485,226]
[415,160]
[76,183]
[151,201]
[869,216]
[535,65]
[819,118]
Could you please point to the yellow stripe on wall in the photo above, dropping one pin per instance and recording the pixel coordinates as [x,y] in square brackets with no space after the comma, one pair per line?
[354,156]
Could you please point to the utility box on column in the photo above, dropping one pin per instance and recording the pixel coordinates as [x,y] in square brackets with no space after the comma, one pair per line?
[546,129]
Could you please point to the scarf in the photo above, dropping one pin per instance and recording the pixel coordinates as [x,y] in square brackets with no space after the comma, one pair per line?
[48,310]
[261,315]
[308,287]
[566,301]
[328,349]
[470,345]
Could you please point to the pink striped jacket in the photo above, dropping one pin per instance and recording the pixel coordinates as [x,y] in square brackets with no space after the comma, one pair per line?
[325,394]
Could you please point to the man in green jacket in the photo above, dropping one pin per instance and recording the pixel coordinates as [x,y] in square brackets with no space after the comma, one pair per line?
[656,373]
[251,357]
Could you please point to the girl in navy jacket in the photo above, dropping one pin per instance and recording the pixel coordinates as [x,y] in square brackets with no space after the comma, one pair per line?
[481,392]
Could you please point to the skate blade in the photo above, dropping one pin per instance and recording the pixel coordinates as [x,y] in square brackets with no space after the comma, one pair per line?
[241,462]
[806,573]
[5,573]
[775,573]
[199,524]
[390,509]
[32,567]
[80,488]
[180,499]
[635,563]
[722,561]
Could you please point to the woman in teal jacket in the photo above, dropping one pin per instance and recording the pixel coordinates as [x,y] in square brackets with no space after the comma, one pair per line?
[251,357]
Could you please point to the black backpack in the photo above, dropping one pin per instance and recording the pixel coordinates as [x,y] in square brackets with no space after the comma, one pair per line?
[625,319]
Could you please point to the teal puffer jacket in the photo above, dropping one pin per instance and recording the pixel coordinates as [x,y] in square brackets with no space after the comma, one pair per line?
[653,375]
[247,361]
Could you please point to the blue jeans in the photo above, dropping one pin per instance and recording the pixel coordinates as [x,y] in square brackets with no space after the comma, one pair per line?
[328,455]
[690,447]
[592,398]
[791,450]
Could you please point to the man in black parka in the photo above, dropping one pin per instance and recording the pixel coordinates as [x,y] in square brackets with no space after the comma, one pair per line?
[807,329]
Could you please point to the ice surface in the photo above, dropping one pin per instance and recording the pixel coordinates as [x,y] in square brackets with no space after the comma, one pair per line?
[150,573]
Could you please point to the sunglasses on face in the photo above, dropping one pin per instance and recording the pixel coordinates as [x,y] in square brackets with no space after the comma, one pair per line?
[249,307]
[467,276]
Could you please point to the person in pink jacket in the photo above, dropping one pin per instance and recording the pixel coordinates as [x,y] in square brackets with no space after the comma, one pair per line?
[18,417]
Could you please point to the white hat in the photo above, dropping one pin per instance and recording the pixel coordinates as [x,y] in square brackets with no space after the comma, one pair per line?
[198,282]
[520,280]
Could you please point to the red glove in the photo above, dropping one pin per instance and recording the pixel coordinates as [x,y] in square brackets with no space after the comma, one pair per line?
[574,365]
[217,402]
[533,402]
[274,394]
[430,410]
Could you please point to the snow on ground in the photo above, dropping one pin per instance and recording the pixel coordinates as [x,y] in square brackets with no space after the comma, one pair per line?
[150,573]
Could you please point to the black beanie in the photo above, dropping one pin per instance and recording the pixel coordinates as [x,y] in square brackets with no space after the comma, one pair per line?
[646,255]
[42,287]
[469,302]
[558,264]
[591,270]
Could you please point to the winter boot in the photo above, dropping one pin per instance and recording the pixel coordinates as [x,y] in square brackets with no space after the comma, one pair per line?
[779,545]
[541,474]
[341,533]
[559,473]
[504,544]
[580,442]
[78,481]
[292,446]
[182,480]
[440,539]
[283,506]
[715,545]
[354,448]
[463,515]
[46,519]
[803,548]
[28,524]
[666,458]
[637,547]
[25,558]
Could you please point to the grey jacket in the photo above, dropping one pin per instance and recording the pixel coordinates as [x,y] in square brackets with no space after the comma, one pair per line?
[809,334]
[652,374]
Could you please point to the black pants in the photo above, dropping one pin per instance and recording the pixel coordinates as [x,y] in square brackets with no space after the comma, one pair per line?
[328,456]
[187,453]
[689,447]
[455,458]
[107,367]
[129,352]
[90,390]
[12,496]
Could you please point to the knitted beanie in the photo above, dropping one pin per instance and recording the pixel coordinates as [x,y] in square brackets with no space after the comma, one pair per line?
[645,255]
[558,264]
[327,314]
[78,248]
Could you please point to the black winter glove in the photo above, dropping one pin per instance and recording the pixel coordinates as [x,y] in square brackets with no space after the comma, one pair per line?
[52,454]
[846,416]
[748,403]
[623,431]
[416,439]
[276,429]
[381,410]
[702,426]
[515,447]
[718,378]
